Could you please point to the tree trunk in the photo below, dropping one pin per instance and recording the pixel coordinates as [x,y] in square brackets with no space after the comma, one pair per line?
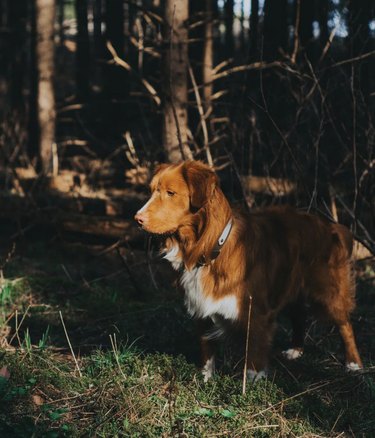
[323,22]
[228,19]
[175,121]
[208,55]
[116,78]
[275,28]
[305,30]
[33,123]
[197,37]
[45,19]
[254,21]
[98,39]
[17,23]
[60,19]
[359,41]
[359,33]
[83,51]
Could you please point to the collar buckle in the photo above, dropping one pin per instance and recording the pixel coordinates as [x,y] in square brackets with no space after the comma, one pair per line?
[219,244]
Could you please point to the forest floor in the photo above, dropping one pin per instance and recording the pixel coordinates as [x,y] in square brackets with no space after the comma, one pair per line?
[136,373]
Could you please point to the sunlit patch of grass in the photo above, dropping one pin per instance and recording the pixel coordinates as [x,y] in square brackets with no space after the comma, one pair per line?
[140,395]
[127,392]
[10,290]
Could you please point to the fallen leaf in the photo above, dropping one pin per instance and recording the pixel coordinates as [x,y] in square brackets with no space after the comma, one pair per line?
[5,373]
[38,400]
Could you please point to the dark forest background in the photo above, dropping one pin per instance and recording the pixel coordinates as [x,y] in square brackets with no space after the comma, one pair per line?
[278,95]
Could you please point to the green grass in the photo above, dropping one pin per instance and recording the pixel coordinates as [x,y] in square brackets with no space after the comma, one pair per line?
[137,358]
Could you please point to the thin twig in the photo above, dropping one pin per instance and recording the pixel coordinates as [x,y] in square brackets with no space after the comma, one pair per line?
[282,136]
[18,326]
[202,117]
[115,352]
[296,32]
[355,59]
[128,270]
[259,65]
[354,146]
[70,345]
[329,42]
[149,241]
[244,377]
[117,60]
[370,243]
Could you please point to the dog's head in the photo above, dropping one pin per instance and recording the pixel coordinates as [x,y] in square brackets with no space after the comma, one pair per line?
[177,191]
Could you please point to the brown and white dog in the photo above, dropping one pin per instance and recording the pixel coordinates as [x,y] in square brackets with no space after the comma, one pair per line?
[278,256]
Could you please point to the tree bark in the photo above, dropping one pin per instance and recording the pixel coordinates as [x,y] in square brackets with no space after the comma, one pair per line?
[175,120]
[17,22]
[208,55]
[33,124]
[60,19]
[116,78]
[275,28]
[305,30]
[45,49]
[360,12]
[323,22]
[83,51]
[254,21]
[228,19]
[196,37]
[98,38]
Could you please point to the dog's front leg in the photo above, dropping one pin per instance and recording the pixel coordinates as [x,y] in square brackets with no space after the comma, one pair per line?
[260,340]
[208,347]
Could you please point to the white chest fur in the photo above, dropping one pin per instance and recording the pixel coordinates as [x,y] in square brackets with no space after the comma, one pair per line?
[197,302]
[203,306]
[174,257]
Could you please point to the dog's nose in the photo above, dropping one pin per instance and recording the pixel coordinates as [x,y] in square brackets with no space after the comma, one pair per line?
[139,218]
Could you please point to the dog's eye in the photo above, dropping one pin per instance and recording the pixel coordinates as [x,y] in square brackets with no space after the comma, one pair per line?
[170,193]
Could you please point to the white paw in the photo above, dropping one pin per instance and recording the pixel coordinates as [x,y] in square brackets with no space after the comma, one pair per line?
[352,366]
[208,369]
[292,353]
[254,376]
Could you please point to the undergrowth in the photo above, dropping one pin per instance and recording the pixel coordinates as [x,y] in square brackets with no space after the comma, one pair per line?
[136,370]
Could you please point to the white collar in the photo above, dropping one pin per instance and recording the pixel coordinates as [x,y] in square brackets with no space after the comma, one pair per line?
[224,235]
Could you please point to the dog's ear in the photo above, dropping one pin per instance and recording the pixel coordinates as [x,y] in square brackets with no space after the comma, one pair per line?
[202,181]
[155,178]
[160,167]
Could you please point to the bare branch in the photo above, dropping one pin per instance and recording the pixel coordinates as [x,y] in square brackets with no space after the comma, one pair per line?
[117,60]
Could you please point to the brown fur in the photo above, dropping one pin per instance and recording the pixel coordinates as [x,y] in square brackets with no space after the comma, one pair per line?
[277,255]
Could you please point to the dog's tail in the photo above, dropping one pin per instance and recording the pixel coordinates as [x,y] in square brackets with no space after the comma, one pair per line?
[343,243]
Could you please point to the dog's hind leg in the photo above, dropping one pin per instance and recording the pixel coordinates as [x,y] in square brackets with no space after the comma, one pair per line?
[352,358]
[338,302]
[297,316]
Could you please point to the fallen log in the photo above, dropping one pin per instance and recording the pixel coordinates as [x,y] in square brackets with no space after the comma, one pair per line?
[86,216]
[103,226]
[268,186]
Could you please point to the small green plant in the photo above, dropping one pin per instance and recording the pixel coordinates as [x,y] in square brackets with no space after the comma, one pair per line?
[27,342]
[53,413]
[19,391]
[6,289]
[42,344]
